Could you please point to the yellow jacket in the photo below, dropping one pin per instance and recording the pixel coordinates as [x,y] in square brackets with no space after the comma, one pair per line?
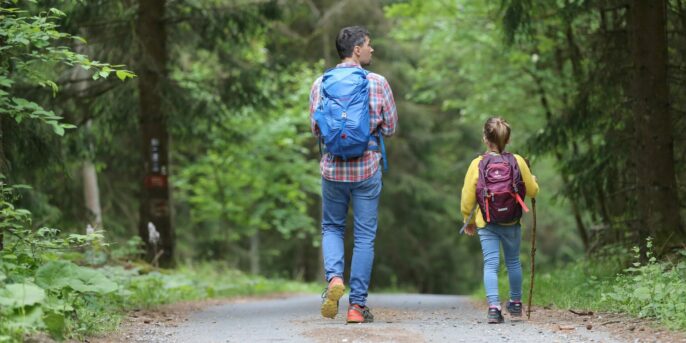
[469,189]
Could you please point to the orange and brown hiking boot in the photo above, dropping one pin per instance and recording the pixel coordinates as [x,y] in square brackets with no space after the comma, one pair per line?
[359,314]
[330,297]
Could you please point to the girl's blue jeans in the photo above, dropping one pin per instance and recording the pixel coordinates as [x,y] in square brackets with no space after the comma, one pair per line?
[336,197]
[492,236]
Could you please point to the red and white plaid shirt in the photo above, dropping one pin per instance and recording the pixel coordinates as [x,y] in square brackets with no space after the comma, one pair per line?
[382,116]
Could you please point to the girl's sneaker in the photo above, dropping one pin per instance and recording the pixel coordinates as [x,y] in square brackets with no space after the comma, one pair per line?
[514,308]
[495,316]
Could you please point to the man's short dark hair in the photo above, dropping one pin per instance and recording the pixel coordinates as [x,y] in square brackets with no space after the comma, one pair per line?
[348,38]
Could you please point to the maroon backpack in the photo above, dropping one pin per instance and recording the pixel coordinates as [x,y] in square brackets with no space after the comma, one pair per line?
[500,189]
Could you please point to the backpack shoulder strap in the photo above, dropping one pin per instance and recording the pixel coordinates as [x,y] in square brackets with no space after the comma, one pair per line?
[485,160]
[514,164]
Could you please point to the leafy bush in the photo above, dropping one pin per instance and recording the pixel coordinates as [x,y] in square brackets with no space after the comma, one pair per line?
[39,288]
[43,287]
[653,289]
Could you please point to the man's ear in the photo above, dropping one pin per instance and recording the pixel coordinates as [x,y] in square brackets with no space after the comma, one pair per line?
[356,49]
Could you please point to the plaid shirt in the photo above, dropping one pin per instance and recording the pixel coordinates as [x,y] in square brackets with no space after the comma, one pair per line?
[382,116]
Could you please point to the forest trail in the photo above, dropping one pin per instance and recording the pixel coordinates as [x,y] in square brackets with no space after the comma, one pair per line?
[398,318]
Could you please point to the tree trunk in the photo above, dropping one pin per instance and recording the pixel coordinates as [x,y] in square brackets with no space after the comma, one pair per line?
[255,253]
[658,205]
[91,193]
[155,206]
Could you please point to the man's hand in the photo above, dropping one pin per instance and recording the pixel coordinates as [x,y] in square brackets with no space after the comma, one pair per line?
[470,229]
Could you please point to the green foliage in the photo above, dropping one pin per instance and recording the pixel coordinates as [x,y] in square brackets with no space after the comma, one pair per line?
[29,54]
[197,281]
[37,293]
[254,173]
[582,79]
[40,290]
[475,75]
[652,289]
[66,276]
[19,295]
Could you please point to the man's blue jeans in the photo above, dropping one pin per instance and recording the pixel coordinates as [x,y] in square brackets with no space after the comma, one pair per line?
[365,202]
[491,237]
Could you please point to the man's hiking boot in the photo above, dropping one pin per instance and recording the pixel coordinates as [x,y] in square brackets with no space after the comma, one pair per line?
[495,316]
[359,314]
[514,308]
[330,297]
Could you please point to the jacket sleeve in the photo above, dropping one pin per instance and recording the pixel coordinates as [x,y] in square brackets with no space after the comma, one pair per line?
[529,180]
[389,112]
[314,102]
[468,200]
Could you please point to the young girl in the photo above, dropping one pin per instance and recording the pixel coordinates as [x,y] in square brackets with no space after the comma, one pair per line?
[493,232]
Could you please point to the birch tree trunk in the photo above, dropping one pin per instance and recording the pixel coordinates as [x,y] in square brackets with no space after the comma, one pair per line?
[91,193]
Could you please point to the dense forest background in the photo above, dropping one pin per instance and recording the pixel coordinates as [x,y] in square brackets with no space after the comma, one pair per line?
[210,141]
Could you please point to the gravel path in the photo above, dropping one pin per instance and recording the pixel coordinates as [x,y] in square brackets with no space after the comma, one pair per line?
[398,318]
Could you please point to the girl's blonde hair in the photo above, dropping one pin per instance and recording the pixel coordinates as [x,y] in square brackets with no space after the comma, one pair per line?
[497,132]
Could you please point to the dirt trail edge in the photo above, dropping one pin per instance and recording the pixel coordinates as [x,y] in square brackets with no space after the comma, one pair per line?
[398,318]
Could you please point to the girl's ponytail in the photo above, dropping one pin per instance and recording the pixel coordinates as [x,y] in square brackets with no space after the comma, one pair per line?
[497,132]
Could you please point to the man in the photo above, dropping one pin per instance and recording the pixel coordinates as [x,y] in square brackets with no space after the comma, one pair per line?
[356,180]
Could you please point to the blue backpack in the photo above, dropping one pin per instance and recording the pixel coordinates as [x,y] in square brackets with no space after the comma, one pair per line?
[343,113]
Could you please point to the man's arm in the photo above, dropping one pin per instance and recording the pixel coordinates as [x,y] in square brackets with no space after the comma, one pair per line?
[389,112]
[314,102]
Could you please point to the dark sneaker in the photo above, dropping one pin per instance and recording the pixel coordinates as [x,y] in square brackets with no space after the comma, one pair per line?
[495,316]
[330,297]
[359,314]
[514,308]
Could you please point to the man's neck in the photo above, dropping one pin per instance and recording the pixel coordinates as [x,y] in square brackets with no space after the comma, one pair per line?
[351,60]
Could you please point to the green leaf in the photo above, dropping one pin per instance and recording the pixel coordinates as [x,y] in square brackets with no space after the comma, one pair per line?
[122,74]
[642,293]
[59,130]
[53,86]
[22,211]
[62,274]
[28,319]
[5,82]
[54,321]
[57,12]
[20,295]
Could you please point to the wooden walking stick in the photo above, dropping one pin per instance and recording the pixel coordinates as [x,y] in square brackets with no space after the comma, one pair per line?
[533,258]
